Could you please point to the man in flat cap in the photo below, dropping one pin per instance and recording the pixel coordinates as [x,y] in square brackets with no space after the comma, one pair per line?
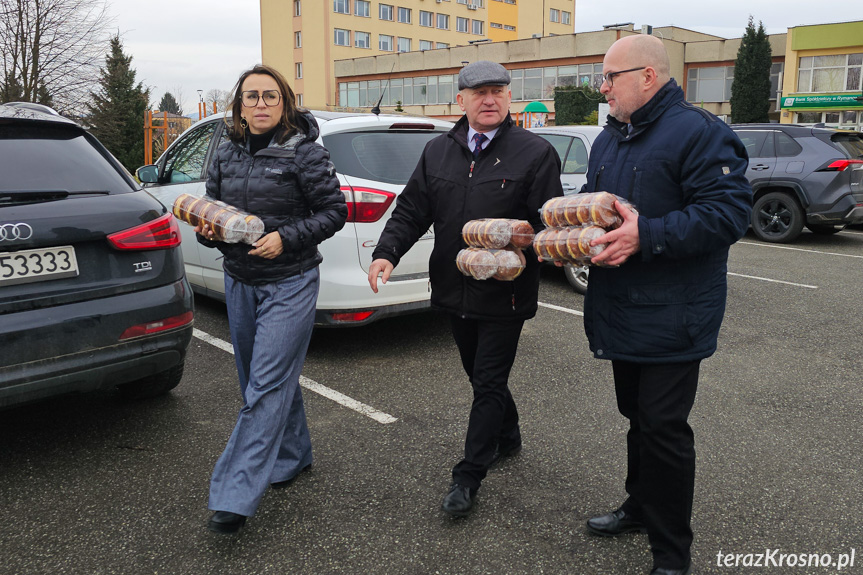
[485,167]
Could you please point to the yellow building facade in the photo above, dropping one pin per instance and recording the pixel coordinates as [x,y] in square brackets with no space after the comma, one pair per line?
[824,83]
[304,38]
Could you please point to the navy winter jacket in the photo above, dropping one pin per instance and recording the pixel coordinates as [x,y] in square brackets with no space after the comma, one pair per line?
[292,187]
[684,170]
[513,176]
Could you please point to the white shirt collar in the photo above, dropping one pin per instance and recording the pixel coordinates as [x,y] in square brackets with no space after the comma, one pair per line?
[470,132]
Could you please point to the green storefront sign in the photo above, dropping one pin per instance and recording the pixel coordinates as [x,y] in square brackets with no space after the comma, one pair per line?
[842,101]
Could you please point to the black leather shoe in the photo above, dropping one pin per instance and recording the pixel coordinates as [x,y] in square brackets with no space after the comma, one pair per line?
[614,523]
[459,501]
[506,452]
[665,571]
[226,522]
[287,482]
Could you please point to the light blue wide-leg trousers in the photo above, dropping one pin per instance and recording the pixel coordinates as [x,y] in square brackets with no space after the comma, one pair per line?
[271,326]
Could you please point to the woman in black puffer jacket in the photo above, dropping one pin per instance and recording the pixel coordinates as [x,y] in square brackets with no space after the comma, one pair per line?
[274,169]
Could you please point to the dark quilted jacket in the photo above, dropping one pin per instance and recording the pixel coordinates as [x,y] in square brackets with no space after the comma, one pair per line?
[293,188]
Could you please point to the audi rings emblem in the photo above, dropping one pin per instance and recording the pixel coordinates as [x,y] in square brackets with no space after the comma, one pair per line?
[11,232]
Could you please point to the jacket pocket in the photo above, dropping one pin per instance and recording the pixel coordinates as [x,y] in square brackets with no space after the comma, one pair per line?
[654,320]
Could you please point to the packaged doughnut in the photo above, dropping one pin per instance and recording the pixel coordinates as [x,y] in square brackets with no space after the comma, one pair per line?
[482,263]
[497,233]
[570,244]
[594,209]
[229,224]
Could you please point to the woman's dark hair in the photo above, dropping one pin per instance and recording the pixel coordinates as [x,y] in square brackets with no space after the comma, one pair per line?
[290,113]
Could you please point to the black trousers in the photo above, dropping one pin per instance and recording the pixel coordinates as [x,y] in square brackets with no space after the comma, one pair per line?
[487,350]
[660,477]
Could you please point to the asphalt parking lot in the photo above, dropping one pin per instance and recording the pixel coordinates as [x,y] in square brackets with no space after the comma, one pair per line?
[93,485]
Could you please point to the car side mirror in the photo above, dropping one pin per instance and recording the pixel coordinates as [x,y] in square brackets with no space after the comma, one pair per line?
[148,174]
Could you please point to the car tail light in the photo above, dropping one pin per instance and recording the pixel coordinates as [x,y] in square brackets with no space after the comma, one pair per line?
[842,165]
[366,205]
[352,316]
[159,234]
[157,326]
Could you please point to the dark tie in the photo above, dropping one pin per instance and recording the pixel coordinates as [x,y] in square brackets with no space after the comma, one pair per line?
[478,140]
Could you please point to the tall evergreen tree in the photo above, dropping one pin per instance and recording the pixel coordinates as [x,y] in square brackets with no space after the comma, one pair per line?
[750,90]
[116,115]
[169,104]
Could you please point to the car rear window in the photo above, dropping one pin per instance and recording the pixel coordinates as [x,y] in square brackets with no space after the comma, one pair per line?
[851,144]
[388,157]
[49,158]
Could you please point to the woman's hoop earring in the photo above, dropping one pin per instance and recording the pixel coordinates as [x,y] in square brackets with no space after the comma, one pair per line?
[244,123]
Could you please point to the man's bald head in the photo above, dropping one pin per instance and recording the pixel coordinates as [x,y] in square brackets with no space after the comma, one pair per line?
[644,50]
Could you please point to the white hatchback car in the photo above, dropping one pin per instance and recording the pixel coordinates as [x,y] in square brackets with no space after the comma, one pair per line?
[374,156]
[573,145]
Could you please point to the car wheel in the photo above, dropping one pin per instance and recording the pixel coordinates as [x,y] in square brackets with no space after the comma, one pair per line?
[577,277]
[155,385]
[825,229]
[777,217]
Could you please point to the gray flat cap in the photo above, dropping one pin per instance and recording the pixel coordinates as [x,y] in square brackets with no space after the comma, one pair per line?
[483,73]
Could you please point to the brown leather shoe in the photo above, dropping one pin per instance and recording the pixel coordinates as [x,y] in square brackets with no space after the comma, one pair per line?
[615,523]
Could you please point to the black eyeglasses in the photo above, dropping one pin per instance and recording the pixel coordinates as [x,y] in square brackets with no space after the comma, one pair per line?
[271,98]
[609,78]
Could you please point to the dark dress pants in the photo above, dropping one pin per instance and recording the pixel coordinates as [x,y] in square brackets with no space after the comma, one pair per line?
[487,351]
[660,475]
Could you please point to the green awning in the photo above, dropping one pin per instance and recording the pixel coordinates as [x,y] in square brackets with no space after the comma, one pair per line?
[536,107]
[838,101]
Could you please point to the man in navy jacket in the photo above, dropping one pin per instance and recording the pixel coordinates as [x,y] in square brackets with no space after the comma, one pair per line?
[656,311]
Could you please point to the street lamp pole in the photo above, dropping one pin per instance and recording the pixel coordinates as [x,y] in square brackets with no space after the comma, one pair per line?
[202,110]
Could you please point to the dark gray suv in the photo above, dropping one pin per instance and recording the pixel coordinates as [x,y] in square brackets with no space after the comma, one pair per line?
[803,175]
[92,290]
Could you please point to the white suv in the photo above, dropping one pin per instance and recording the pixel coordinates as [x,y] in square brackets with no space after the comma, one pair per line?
[374,156]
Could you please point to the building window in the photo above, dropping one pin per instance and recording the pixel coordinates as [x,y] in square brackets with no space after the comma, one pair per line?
[709,84]
[441,45]
[554,15]
[461,1]
[362,40]
[426,19]
[385,12]
[443,21]
[508,27]
[342,37]
[425,45]
[299,72]
[837,73]
[362,8]
[298,39]
[565,17]
[297,9]
[495,25]
[404,44]
[477,27]
[342,6]
[776,71]
[461,24]
[385,43]
[404,15]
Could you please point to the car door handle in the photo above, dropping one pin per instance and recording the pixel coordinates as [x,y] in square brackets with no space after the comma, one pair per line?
[759,167]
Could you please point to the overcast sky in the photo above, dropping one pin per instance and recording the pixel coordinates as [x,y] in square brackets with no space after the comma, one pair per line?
[190,45]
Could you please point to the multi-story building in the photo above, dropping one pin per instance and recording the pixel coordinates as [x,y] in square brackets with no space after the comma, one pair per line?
[303,38]
[824,83]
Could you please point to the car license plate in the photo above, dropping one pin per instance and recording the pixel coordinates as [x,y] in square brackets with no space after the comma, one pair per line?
[37,265]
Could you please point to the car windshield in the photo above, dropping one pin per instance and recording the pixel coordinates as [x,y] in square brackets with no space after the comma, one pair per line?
[851,144]
[388,157]
[38,158]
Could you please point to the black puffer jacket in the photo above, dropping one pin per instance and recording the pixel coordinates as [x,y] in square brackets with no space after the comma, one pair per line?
[293,188]
[513,176]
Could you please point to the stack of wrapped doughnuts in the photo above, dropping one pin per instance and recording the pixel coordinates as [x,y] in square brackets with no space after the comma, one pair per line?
[494,250]
[573,222]
[229,224]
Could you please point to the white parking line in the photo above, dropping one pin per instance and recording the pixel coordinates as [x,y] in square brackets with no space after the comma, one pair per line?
[311,385]
[563,309]
[799,249]
[774,281]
